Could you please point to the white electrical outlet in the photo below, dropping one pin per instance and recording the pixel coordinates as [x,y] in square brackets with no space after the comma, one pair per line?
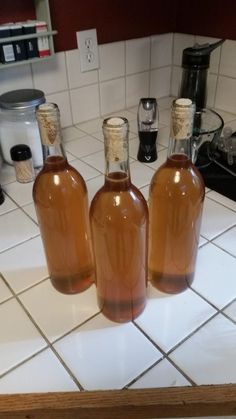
[88,48]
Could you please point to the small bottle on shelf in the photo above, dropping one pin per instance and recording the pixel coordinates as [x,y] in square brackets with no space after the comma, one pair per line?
[119,221]
[61,203]
[175,208]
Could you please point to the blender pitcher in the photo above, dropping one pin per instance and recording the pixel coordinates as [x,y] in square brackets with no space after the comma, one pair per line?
[195,64]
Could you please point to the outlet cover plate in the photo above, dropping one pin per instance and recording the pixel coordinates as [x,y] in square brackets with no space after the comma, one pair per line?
[88,48]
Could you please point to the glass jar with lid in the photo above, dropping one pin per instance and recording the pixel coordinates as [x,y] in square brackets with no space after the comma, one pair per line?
[18,123]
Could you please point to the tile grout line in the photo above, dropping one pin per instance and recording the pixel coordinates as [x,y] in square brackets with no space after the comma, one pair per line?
[165,355]
[47,341]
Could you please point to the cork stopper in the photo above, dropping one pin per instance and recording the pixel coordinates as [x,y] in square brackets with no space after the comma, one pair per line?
[115,130]
[182,119]
[48,117]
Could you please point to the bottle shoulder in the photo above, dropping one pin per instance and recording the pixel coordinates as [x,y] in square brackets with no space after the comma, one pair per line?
[126,201]
[170,178]
[65,181]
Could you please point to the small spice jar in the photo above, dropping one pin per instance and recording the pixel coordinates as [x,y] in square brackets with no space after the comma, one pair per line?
[22,159]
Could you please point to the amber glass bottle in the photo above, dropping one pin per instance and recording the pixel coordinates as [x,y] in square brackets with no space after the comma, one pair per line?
[175,208]
[119,221]
[61,204]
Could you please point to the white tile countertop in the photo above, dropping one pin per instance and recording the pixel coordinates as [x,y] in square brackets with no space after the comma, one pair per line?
[54,342]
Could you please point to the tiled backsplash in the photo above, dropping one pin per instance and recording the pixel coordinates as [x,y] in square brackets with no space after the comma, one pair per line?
[128,70]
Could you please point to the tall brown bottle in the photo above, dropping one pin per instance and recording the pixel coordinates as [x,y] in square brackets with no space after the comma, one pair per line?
[61,203]
[175,208]
[119,221]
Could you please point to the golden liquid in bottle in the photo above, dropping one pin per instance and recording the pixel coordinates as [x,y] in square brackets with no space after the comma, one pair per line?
[60,198]
[175,210]
[119,219]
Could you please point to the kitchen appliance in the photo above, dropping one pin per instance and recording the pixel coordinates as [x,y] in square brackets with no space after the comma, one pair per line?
[195,64]
[147,119]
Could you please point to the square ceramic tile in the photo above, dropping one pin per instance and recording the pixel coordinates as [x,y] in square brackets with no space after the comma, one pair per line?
[165,117]
[21,193]
[96,160]
[112,94]
[231,311]
[7,174]
[213,350]
[5,293]
[216,219]
[85,103]
[221,199]
[75,77]
[93,185]
[137,55]
[176,78]
[71,133]
[62,99]
[125,113]
[8,205]
[24,265]
[211,90]
[91,127]
[19,338]
[83,146]
[97,366]
[29,209]
[181,41]
[161,50]
[133,127]
[61,313]
[228,117]
[84,169]
[228,59]
[13,78]
[225,94]
[141,174]
[165,102]
[15,228]
[112,60]
[165,321]
[164,136]
[160,82]
[227,241]
[136,87]
[50,76]
[162,375]
[41,374]
[215,275]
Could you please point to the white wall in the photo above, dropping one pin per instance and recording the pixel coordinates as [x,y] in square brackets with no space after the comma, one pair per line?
[128,70]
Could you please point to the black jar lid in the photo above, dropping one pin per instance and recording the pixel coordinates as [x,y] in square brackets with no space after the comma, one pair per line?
[21,99]
[20,152]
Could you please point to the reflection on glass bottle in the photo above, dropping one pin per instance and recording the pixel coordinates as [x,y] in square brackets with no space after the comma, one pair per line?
[119,221]
[61,203]
[175,207]
[147,119]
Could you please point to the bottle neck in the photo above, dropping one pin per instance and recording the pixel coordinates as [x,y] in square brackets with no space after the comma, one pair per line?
[181,128]
[48,118]
[115,132]
[180,147]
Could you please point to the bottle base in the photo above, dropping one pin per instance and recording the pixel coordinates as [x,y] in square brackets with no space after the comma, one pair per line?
[121,312]
[72,284]
[171,284]
[146,158]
